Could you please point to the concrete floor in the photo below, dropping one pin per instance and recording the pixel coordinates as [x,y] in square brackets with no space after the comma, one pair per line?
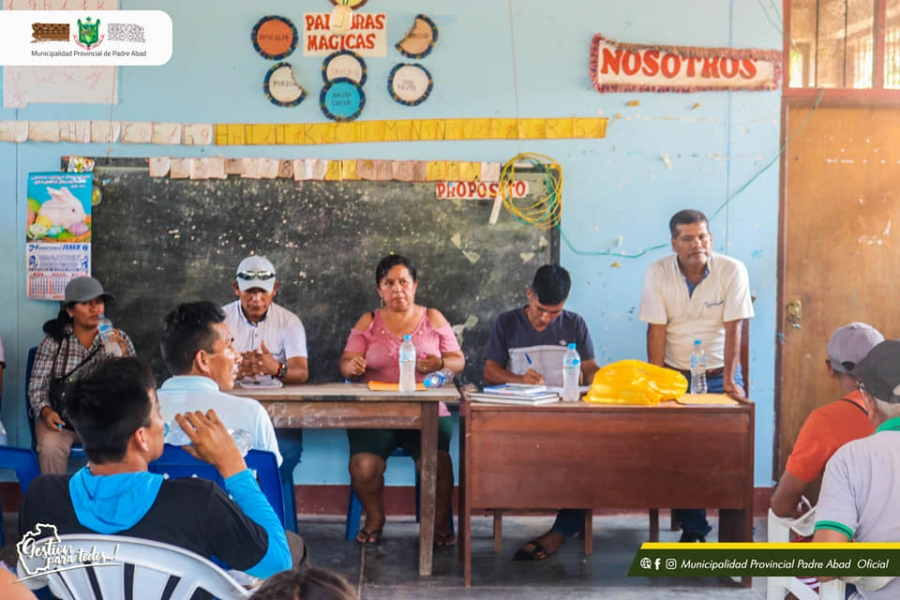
[390,568]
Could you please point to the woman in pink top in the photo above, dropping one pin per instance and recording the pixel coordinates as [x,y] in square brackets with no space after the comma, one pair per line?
[372,354]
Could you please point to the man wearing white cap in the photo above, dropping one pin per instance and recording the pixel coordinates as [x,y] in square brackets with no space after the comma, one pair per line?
[860,491]
[831,426]
[272,342]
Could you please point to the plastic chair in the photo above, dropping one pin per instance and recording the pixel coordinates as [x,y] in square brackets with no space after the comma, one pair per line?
[25,464]
[176,462]
[354,506]
[157,567]
[77,451]
[779,530]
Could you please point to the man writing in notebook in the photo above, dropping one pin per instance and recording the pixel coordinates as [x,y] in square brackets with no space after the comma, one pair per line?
[527,345]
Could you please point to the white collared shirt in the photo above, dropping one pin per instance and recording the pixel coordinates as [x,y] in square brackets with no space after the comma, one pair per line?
[281,329]
[724,295]
[186,393]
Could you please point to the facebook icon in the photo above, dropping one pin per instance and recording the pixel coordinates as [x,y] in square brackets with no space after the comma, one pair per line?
[656,564]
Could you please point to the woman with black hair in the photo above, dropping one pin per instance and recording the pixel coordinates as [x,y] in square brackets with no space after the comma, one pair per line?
[71,348]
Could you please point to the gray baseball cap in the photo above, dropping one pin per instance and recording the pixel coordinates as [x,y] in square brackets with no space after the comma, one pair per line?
[850,344]
[85,289]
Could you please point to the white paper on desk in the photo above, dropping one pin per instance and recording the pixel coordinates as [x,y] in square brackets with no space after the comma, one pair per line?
[262,382]
[558,389]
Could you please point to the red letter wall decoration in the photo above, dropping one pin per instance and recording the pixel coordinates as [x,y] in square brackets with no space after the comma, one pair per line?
[618,67]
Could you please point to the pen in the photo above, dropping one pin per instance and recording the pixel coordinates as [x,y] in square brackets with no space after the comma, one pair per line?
[528,358]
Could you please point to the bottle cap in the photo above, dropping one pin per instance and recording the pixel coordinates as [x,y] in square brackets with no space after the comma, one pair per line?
[407,338]
[572,346]
[697,342]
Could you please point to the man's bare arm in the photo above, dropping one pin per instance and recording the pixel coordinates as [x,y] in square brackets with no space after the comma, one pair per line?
[656,344]
[732,358]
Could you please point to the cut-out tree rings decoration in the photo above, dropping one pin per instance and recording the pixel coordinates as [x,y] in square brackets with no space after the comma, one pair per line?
[280,86]
[342,99]
[344,63]
[274,37]
[409,84]
[420,39]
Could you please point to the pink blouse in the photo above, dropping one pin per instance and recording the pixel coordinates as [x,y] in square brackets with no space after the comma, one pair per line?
[381,349]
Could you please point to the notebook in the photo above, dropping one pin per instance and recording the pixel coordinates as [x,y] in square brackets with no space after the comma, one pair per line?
[537,400]
[516,389]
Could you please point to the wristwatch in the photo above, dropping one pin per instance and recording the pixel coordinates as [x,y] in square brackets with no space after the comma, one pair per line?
[282,372]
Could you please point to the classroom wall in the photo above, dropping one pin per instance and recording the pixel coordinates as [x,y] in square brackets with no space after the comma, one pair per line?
[526,58]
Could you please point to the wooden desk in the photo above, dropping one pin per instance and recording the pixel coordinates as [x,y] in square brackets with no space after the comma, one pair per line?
[579,455]
[355,406]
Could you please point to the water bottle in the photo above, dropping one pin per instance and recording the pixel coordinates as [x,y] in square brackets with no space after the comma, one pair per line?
[407,365]
[106,329]
[698,369]
[438,378]
[571,371]
[177,437]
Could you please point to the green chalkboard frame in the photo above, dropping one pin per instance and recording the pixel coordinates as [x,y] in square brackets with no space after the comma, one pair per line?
[161,241]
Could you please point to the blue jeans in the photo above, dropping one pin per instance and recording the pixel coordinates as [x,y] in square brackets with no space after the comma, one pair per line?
[693,520]
[568,522]
[290,444]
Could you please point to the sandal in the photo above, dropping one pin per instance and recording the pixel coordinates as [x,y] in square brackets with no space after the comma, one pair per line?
[532,551]
[444,540]
[367,538]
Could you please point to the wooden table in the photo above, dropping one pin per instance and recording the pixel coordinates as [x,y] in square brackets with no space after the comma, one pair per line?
[580,455]
[355,406]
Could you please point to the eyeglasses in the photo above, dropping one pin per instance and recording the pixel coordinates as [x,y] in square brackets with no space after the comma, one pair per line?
[861,388]
[248,275]
[166,432]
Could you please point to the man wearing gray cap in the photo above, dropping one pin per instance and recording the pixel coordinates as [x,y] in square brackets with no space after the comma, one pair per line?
[272,343]
[71,349]
[860,489]
[831,426]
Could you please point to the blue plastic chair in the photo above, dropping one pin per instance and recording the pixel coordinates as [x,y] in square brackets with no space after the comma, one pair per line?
[354,506]
[77,451]
[176,462]
[25,464]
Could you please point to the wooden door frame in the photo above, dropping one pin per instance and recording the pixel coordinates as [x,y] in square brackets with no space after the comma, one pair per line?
[812,98]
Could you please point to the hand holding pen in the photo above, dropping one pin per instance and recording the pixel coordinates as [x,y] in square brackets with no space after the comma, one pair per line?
[531,376]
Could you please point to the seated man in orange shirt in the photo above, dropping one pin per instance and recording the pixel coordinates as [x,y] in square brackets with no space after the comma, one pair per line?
[831,426]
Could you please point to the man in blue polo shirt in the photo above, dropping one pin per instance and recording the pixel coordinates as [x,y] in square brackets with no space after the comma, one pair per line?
[527,345]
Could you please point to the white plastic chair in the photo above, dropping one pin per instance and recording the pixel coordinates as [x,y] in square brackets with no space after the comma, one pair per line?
[779,530]
[157,567]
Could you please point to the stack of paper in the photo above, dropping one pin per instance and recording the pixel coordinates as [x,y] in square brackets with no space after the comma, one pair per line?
[516,393]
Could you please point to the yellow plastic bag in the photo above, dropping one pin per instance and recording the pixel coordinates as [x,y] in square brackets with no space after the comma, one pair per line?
[636,382]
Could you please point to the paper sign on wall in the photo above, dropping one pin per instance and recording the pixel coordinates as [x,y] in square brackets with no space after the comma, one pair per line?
[58,232]
[618,67]
[367,35]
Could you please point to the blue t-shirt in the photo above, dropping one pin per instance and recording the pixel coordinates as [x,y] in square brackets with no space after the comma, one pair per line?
[514,341]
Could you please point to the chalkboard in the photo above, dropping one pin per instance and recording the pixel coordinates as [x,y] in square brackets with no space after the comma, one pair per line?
[161,241]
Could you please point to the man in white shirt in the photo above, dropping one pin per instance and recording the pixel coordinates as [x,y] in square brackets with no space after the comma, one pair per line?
[272,343]
[696,294]
[197,347]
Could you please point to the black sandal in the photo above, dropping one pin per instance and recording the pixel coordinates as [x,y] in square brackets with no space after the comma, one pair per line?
[532,551]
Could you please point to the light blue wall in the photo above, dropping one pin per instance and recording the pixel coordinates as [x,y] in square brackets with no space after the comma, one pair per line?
[658,157]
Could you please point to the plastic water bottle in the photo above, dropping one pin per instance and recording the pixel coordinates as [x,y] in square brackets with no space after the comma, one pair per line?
[177,437]
[438,378]
[571,371]
[106,329]
[698,368]
[407,365]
